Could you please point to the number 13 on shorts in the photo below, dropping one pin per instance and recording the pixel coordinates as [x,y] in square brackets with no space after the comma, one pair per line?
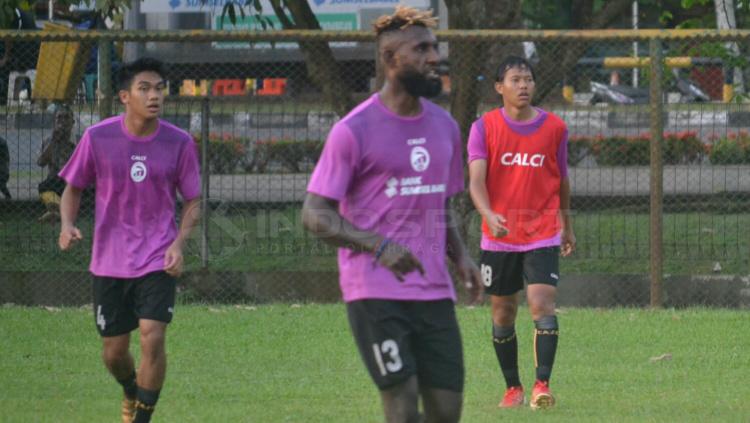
[387,356]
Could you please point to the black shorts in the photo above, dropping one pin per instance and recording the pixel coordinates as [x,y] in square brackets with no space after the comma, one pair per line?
[503,273]
[120,303]
[399,339]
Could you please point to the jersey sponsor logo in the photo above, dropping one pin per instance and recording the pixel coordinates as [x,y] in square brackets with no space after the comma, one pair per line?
[391,187]
[411,185]
[138,172]
[522,159]
[420,159]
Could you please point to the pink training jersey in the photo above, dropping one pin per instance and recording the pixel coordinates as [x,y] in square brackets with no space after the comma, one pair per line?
[516,135]
[392,175]
[136,180]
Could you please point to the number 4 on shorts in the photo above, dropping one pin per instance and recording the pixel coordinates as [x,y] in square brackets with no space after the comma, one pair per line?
[100,318]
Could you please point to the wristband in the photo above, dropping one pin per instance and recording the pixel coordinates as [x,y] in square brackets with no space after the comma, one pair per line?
[381,248]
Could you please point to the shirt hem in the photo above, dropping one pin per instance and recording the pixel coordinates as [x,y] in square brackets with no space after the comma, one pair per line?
[372,296]
[138,274]
[490,245]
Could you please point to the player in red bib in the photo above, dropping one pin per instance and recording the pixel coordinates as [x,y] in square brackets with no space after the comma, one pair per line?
[519,184]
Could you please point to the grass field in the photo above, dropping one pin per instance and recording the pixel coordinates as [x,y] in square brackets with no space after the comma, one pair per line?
[283,363]
[274,240]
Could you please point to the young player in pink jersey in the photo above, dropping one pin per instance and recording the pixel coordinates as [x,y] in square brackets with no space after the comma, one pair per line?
[519,184]
[137,163]
[380,192]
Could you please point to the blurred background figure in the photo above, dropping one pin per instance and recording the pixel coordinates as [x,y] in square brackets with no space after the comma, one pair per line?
[4,168]
[55,153]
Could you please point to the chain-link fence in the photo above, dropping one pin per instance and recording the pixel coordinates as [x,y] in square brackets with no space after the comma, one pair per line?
[260,106]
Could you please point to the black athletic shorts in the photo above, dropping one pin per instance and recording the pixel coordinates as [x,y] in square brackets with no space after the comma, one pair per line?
[120,303]
[503,273]
[399,339]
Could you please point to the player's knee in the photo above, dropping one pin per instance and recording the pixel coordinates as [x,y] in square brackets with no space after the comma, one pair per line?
[152,342]
[445,413]
[405,409]
[541,308]
[504,314]
[401,402]
[548,323]
[114,354]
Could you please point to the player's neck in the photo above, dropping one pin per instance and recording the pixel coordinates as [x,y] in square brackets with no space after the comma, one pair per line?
[520,114]
[399,101]
[139,126]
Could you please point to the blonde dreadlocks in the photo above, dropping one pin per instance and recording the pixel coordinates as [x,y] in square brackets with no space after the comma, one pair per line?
[404,17]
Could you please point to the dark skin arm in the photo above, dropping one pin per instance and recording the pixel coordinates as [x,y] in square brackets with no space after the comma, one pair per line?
[45,158]
[321,217]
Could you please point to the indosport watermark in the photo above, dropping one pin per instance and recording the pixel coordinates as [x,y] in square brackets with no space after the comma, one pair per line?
[235,231]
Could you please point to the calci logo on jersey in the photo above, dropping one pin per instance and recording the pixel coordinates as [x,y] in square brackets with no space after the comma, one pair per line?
[138,170]
[522,159]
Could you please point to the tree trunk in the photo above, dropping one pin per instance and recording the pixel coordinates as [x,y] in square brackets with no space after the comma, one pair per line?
[322,67]
[552,68]
[725,19]
[469,62]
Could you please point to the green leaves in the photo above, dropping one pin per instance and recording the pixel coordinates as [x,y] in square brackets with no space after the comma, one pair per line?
[687,4]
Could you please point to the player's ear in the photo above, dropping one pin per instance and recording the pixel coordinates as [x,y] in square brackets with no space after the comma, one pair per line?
[388,57]
[499,87]
[124,96]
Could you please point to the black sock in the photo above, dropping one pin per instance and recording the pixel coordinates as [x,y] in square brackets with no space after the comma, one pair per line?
[506,350]
[545,346]
[145,404]
[129,386]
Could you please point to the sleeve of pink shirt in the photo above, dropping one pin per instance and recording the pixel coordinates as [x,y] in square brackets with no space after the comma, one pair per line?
[80,171]
[335,169]
[562,155]
[476,146]
[456,181]
[188,172]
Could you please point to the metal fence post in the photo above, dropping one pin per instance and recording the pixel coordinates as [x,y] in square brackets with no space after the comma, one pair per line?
[105,78]
[205,177]
[657,172]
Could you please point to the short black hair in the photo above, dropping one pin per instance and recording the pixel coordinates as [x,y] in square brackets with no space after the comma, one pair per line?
[513,62]
[128,71]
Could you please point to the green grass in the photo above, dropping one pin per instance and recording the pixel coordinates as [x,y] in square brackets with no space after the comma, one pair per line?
[299,364]
[274,240]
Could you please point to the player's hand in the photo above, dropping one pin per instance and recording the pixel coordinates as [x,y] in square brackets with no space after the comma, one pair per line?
[496,224]
[69,236]
[173,259]
[568,243]
[469,274]
[399,260]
